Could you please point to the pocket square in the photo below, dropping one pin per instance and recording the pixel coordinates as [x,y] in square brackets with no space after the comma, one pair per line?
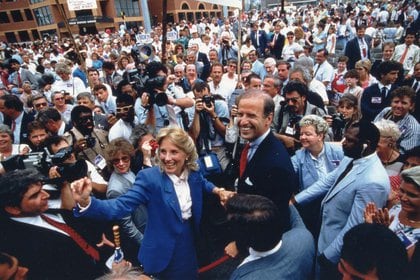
[248,181]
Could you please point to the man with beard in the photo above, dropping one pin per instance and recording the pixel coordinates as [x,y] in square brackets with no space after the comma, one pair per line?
[88,142]
[360,178]
[126,118]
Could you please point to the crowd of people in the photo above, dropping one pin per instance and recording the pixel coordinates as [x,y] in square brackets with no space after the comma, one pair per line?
[295,151]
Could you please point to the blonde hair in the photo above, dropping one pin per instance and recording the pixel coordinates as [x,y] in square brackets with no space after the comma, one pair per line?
[388,129]
[364,64]
[182,141]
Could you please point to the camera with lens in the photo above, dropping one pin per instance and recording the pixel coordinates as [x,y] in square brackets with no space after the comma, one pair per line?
[90,141]
[338,121]
[208,100]
[154,89]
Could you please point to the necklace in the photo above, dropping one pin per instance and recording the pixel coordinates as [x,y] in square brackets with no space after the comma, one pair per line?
[385,163]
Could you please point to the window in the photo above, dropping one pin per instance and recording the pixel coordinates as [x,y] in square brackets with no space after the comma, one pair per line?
[130,8]
[35,34]
[215,7]
[4,18]
[43,16]
[24,36]
[185,6]
[35,1]
[28,14]
[11,37]
[16,15]
[201,6]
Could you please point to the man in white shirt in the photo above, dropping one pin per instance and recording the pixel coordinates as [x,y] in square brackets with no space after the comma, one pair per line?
[105,99]
[408,54]
[323,70]
[72,86]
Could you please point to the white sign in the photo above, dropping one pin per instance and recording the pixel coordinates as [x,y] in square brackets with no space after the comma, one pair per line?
[171,36]
[229,3]
[77,5]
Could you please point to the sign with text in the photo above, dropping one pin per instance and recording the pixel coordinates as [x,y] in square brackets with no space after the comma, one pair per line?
[229,3]
[77,5]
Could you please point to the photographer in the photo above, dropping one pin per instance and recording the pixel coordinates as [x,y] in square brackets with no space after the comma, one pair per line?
[294,108]
[228,49]
[66,167]
[208,128]
[163,102]
[88,142]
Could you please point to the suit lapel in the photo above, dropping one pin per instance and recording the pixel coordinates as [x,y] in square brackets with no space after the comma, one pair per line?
[169,195]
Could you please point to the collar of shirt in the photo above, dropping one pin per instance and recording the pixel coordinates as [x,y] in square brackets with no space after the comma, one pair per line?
[183,177]
[130,176]
[39,222]
[381,85]
[255,255]
[18,120]
[254,144]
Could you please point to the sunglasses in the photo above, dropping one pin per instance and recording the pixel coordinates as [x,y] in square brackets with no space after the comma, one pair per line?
[293,99]
[124,109]
[58,98]
[44,104]
[124,159]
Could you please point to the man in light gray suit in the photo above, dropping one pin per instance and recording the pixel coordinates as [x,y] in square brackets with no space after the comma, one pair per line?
[360,178]
[21,75]
[274,253]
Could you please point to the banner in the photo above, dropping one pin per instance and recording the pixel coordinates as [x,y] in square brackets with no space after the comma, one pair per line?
[229,3]
[76,5]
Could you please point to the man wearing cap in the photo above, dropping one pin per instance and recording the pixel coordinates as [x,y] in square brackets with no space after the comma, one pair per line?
[20,75]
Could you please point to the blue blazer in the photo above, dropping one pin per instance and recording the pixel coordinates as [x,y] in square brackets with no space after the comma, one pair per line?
[154,189]
[352,51]
[371,109]
[344,204]
[270,173]
[294,260]
[305,168]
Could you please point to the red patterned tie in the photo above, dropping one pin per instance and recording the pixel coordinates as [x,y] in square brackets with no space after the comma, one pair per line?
[243,160]
[19,80]
[75,236]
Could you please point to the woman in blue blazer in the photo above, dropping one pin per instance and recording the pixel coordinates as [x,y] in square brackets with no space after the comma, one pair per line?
[172,193]
[315,160]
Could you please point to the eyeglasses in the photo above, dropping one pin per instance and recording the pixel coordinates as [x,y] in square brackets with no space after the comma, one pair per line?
[232,66]
[58,98]
[124,109]
[124,159]
[44,104]
[293,99]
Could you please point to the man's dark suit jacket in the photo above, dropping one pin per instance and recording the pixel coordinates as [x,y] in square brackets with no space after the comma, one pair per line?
[277,49]
[47,253]
[370,104]
[24,127]
[262,40]
[352,51]
[270,173]
[202,57]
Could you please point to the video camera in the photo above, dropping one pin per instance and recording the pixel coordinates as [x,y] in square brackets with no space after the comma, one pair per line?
[43,161]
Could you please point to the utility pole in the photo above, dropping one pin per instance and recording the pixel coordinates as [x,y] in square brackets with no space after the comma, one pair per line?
[164,24]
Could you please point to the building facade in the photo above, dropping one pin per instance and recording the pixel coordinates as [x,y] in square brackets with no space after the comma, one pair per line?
[30,20]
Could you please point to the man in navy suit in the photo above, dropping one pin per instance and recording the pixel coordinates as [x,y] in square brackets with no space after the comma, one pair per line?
[377,96]
[259,40]
[15,117]
[268,171]
[45,248]
[260,226]
[358,48]
[277,42]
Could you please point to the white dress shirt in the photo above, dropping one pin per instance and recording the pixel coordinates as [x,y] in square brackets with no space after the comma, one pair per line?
[182,190]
